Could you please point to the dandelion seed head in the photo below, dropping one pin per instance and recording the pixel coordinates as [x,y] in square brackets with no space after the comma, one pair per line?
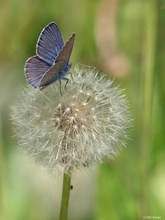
[85,125]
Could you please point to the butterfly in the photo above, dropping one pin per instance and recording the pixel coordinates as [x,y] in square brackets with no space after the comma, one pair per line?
[51,61]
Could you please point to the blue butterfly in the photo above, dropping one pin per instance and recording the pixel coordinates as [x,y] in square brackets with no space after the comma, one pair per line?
[52,60]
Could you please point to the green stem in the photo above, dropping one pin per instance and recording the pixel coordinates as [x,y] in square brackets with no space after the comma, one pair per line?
[147,100]
[3,212]
[65,196]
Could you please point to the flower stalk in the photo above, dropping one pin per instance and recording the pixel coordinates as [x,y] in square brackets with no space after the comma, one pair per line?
[65,195]
[147,101]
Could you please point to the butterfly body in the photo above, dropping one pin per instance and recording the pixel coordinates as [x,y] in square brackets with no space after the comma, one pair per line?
[51,75]
[52,60]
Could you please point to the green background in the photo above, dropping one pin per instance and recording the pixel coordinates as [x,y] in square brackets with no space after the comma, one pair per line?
[125,39]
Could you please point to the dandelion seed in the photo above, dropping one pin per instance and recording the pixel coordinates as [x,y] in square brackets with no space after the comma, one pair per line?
[84,126]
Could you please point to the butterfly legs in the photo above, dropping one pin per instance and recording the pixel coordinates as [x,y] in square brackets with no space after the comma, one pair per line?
[60,88]
[67,80]
[71,75]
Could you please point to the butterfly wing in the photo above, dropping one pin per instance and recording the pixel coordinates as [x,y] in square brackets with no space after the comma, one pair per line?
[52,74]
[66,51]
[50,43]
[34,70]
[60,66]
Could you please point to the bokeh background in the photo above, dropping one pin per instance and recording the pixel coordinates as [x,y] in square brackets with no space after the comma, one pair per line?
[124,39]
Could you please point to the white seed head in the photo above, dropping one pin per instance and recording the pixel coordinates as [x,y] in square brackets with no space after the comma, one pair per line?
[88,123]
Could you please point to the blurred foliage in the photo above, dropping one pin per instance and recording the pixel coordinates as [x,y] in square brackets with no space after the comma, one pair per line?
[112,36]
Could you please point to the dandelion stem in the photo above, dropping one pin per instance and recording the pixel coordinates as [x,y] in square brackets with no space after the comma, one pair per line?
[3,207]
[65,196]
[147,101]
